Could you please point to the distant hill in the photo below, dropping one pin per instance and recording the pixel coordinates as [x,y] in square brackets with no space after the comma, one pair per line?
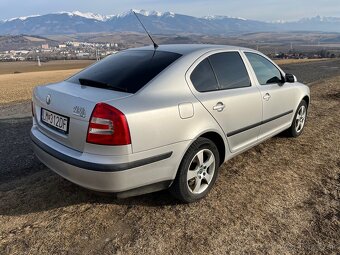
[19,42]
[156,22]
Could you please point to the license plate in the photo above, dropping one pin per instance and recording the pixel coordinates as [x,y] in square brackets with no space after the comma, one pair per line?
[55,121]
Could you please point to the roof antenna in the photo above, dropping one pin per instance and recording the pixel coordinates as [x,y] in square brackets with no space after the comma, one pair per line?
[155,45]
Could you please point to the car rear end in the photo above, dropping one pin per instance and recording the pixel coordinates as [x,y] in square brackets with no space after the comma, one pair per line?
[81,130]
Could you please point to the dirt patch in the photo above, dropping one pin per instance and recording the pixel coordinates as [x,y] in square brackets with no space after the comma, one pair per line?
[19,109]
[333,95]
[281,197]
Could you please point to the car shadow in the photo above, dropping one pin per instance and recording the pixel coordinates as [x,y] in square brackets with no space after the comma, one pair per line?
[46,191]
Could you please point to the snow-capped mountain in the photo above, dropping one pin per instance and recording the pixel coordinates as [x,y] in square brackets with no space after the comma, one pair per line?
[318,23]
[320,19]
[156,22]
[87,15]
[219,17]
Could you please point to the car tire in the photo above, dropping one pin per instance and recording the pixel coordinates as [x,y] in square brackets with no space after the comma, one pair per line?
[197,172]
[299,120]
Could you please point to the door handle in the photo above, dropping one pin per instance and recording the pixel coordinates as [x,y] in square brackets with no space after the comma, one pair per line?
[266,96]
[219,107]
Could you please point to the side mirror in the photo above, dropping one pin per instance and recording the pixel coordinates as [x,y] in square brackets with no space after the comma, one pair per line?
[290,78]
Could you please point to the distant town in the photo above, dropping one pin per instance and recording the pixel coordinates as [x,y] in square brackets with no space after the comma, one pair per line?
[69,50]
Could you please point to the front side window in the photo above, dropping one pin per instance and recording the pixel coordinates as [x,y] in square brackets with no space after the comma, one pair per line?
[230,70]
[265,71]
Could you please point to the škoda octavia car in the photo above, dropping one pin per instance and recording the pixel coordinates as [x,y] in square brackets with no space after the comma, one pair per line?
[148,119]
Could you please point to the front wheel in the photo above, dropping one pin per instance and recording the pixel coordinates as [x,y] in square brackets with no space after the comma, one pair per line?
[197,172]
[299,120]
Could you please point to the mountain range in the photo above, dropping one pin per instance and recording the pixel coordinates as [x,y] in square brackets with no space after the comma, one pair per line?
[157,23]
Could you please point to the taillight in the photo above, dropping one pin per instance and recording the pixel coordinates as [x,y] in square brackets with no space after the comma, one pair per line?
[108,126]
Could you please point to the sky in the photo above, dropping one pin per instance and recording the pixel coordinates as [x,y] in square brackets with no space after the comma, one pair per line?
[264,10]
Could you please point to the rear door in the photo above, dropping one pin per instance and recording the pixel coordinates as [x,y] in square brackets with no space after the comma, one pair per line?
[277,97]
[222,84]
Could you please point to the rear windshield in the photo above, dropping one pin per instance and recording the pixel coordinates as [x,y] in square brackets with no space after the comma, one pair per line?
[127,71]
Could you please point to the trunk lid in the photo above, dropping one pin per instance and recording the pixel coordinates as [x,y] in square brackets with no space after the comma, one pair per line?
[75,102]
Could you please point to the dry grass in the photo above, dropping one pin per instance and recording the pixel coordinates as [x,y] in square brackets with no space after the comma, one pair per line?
[296,61]
[18,87]
[34,39]
[281,197]
[25,67]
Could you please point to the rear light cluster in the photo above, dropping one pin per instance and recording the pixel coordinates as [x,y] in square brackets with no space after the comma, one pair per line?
[108,126]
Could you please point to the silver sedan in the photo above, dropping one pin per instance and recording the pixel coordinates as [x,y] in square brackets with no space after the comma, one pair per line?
[144,120]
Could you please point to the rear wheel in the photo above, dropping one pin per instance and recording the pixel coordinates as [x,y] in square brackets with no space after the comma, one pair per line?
[197,172]
[299,120]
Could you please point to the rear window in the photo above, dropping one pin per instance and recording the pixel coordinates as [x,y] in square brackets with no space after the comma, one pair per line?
[126,71]
[203,77]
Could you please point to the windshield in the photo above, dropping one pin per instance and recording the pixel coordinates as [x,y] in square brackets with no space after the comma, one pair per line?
[127,71]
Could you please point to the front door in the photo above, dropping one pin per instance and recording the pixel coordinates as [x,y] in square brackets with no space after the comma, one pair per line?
[277,96]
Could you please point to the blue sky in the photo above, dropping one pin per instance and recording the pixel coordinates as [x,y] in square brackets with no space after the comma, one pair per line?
[267,10]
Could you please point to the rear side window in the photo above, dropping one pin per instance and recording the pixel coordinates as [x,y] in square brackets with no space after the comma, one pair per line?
[230,70]
[126,71]
[266,72]
[203,77]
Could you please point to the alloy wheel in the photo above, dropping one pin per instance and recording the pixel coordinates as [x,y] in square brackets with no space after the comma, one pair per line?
[300,119]
[201,171]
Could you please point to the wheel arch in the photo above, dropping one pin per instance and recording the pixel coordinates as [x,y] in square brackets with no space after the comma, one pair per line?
[307,99]
[218,141]
[216,138]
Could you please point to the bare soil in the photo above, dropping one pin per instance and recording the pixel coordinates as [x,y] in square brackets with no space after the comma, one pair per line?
[281,197]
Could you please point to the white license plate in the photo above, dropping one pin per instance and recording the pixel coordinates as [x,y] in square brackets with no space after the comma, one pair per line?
[55,121]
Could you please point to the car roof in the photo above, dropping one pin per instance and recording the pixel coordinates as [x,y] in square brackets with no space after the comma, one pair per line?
[185,49]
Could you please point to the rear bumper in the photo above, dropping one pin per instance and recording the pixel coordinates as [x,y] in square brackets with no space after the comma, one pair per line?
[97,166]
[154,169]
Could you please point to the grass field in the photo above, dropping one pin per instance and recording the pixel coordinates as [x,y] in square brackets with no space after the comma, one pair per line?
[25,67]
[295,61]
[281,197]
[18,87]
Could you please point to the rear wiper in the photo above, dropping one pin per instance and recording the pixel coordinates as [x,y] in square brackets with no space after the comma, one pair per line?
[99,84]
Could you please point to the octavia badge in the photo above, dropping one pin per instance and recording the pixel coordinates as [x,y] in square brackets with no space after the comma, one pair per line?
[79,111]
[48,99]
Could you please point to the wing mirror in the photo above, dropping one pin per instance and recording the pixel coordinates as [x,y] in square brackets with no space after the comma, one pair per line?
[290,78]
